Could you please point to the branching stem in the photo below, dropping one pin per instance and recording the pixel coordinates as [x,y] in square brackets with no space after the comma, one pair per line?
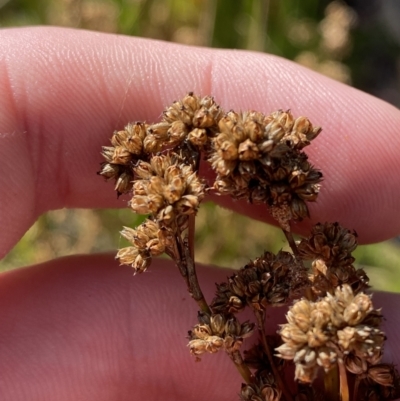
[264,341]
[292,244]
[242,368]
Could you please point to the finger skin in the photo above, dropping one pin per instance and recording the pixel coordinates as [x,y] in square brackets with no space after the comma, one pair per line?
[82,328]
[65,91]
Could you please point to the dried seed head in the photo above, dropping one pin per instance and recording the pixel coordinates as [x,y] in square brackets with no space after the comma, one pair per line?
[317,331]
[259,158]
[331,243]
[270,280]
[330,247]
[167,187]
[216,331]
[147,240]
[212,345]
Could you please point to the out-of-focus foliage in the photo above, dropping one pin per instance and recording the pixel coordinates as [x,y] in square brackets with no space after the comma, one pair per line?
[348,41]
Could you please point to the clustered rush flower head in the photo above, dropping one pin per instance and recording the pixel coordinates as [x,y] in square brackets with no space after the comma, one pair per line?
[146,240]
[190,122]
[270,280]
[260,158]
[218,331]
[332,326]
[165,188]
[330,248]
[342,326]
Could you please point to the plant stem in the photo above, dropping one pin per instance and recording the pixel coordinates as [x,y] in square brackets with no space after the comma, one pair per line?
[331,382]
[183,259]
[292,244]
[308,292]
[344,387]
[191,230]
[193,282]
[242,368]
[356,385]
[281,385]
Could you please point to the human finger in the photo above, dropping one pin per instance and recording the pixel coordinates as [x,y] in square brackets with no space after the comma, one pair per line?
[66,91]
[82,328]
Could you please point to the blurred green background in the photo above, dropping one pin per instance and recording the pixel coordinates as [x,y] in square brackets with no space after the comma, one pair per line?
[356,42]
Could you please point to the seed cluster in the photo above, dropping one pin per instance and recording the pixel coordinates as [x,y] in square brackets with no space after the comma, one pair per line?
[218,331]
[270,280]
[258,158]
[342,325]
[330,248]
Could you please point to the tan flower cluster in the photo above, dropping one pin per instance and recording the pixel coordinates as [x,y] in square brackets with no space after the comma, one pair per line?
[270,280]
[165,188]
[330,248]
[195,116]
[127,149]
[168,190]
[256,157]
[193,119]
[147,240]
[259,158]
[216,332]
[341,326]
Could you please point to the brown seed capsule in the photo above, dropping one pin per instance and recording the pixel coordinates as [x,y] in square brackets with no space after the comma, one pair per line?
[382,374]
[228,150]
[198,137]
[188,204]
[305,374]
[108,152]
[217,322]
[151,144]
[155,247]
[316,338]
[127,256]
[355,364]
[177,132]
[124,184]
[248,150]
[202,331]
[121,155]
[197,347]
[109,170]
[271,393]
[134,145]
[141,263]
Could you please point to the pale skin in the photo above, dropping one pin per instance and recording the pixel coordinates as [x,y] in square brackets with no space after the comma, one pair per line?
[83,328]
